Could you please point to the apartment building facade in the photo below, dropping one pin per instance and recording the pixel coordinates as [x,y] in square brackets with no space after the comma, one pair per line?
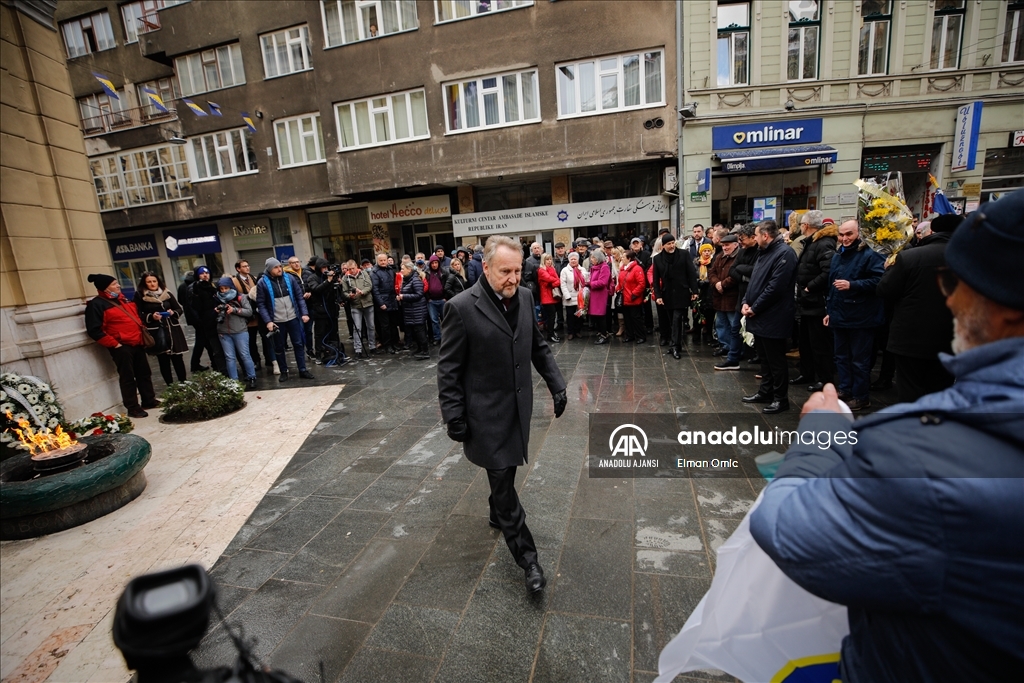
[370,125]
[787,103]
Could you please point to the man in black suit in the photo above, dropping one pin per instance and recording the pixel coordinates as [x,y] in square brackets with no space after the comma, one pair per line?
[675,286]
[485,387]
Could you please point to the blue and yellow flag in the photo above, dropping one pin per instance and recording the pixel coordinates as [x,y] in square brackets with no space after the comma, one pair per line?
[196,109]
[214,108]
[248,122]
[155,100]
[108,85]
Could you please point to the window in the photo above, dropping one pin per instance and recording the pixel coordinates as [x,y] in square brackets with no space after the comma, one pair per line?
[733,44]
[947,29]
[100,112]
[86,35]
[804,28]
[300,140]
[208,70]
[286,52]
[448,10]
[167,89]
[1013,34]
[143,17]
[223,154]
[492,101]
[610,84]
[349,21]
[141,176]
[873,56]
[383,120]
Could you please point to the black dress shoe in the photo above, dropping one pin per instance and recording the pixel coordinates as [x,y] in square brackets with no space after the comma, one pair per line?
[306,374]
[816,387]
[535,580]
[555,339]
[627,340]
[283,377]
[757,398]
[493,524]
[775,407]
[676,354]
[641,341]
[601,340]
[799,379]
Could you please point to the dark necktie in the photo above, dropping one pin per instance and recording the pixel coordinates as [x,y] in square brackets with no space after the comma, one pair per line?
[507,303]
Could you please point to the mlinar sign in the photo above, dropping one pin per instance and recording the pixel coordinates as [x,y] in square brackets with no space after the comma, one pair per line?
[766,134]
[415,209]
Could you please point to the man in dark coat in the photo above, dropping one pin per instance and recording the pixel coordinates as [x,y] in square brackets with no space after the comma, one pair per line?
[740,272]
[769,308]
[675,286]
[485,387]
[854,312]
[922,326]
[475,266]
[812,270]
[203,303]
[322,305]
[384,304]
[723,299]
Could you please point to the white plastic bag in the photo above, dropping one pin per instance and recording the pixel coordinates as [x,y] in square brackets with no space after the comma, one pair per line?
[757,624]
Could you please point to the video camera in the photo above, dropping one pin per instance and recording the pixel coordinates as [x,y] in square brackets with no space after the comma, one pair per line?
[222,312]
[160,617]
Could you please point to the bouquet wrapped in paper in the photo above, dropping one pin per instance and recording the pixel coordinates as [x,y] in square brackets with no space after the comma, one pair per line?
[886,223]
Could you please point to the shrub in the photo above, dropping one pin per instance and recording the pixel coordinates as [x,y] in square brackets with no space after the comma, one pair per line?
[26,398]
[204,397]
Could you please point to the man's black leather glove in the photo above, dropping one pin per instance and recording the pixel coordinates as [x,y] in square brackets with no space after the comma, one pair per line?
[458,430]
[560,402]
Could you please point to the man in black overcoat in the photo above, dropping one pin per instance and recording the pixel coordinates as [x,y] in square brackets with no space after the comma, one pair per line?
[675,286]
[485,386]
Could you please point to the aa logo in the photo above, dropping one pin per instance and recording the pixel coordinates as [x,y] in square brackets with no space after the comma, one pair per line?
[739,137]
[816,669]
[628,443]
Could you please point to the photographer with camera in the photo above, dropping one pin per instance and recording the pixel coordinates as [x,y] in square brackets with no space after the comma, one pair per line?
[204,304]
[357,289]
[233,315]
[323,286]
[280,301]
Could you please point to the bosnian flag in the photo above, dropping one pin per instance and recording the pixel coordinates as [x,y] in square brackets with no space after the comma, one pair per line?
[155,100]
[214,108]
[248,122]
[107,84]
[196,109]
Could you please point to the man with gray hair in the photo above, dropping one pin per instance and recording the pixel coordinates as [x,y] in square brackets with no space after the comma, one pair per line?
[485,387]
[812,269]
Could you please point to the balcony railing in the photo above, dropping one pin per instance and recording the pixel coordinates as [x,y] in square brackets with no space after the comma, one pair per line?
[108,122]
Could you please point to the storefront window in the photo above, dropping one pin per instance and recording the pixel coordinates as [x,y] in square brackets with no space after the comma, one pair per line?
[130,272]
[341,235]
[762,196]
[1004,172]
[185,264]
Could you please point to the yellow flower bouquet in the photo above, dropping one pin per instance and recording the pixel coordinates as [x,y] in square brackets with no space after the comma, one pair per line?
[886,223]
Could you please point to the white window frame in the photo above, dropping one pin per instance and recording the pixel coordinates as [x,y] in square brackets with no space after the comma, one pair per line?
[73,31]
[167,89]
[481,91]
[886,21]
[128,191]
[600,70]
[389,110]
[729,33]
[184,65]
[99,106]
[284,37]
[1013,32]
[284,138]
[940,21]
[213,142]
[470,9]
[405,11]
[802,27]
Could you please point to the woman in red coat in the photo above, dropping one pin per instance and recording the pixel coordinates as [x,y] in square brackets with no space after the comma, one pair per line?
[633,283]
[549,281]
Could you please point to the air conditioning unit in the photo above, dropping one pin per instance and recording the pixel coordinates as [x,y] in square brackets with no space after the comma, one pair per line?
[670,182]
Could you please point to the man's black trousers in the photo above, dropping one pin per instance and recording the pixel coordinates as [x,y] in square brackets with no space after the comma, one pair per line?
[774,370]
[134,376]
[510,516]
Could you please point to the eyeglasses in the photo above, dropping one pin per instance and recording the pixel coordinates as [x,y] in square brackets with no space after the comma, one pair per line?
[947,281]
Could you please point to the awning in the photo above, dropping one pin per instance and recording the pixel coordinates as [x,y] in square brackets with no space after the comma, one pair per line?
[797,156]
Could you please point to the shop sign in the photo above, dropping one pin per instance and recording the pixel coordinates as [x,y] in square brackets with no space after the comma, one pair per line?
[192,241]
[972,189]
[581,214]
[762,134]
[965,136]
[1017,138]
[131,248]
[698,196]
[410,210]
[740,165]
[252,236]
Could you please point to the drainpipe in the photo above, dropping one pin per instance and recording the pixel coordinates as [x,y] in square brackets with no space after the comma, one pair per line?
[679,117]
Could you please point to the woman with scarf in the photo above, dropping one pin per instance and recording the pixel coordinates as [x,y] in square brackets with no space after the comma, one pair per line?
[574,278]
[159,308]
[414,309]
[702,307]
[601,284]
[233,315]
[549,282]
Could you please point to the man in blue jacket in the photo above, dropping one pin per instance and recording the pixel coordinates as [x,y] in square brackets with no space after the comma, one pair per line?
[917,527]
[854,312]
[769,307]
[281,304]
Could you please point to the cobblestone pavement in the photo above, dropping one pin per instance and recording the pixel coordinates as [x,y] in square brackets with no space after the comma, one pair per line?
[372,553]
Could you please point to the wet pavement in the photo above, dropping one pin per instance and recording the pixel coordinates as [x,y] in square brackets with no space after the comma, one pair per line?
[371,555]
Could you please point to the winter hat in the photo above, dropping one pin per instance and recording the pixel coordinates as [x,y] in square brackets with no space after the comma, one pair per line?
[987,249]
[271,264]
[666,238]
[729,238]
[635,240]
[827,221]
[946,223]
[225,282]
[200,270]
[101,280]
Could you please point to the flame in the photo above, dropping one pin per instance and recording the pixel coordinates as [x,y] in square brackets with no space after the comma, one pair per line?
[43,440]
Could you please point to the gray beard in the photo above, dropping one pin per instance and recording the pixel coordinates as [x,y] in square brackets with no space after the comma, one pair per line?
[970,333]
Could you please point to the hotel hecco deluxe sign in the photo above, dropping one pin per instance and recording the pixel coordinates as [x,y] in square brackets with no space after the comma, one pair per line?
[416,209]
[766,134]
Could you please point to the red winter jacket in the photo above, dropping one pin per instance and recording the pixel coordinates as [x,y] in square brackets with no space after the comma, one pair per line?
[548,280]
[108,324]
[633,282]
